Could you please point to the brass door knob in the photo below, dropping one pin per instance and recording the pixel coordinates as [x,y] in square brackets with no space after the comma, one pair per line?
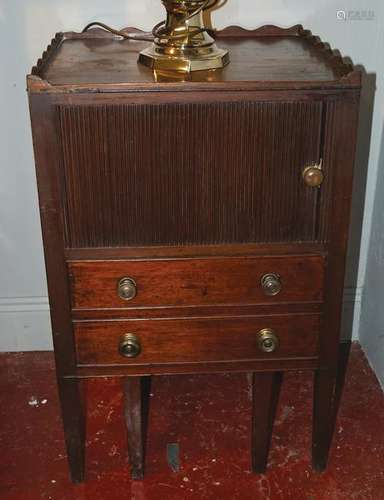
[313,175]
[126,288]
[129,346]
[267,340]
[271,284]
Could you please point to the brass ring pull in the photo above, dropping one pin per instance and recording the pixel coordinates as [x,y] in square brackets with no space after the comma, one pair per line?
[126,288]
[129,346]
[313,175]
[271,284]
[267,340]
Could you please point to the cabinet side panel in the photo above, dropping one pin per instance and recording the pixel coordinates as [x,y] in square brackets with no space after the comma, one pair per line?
[47,159]
[339,158]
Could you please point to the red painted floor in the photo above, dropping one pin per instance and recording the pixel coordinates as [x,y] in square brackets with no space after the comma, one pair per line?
[209,416]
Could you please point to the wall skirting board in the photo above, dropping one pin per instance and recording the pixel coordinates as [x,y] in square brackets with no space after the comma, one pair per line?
[351,312]
[25,324]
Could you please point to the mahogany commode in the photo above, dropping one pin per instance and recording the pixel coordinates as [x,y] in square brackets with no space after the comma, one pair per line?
[195,224]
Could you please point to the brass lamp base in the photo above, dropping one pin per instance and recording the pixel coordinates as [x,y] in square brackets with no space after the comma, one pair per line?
[182,43]
[215,59]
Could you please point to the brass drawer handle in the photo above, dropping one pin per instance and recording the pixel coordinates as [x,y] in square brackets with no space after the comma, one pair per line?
[313,175]
[129,346]
[126,288]
[267,340]
[271,284]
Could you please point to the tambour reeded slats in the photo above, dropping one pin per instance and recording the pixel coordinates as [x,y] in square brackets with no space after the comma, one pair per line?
[193,173]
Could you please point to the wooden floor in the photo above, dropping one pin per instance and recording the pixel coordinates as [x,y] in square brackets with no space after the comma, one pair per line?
[208,417]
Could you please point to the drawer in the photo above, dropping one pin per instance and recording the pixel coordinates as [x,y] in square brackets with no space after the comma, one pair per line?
[202,281]
[197,340]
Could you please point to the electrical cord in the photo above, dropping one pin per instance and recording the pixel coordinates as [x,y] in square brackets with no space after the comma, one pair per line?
[160,31]
[126,36]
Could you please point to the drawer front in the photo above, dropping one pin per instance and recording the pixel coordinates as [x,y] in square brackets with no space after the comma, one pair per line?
[197,340]
[187,282]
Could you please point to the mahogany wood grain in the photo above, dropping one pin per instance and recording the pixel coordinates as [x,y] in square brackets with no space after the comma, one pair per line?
[72,412]
[194,251]
[268,57]
[47,162]
[114,183]
[260,365]
[239,94]
[196,340]
[265,395]
[136,405]
[243,159]
[203,311]
[340,144]
[189,282]
[328,388]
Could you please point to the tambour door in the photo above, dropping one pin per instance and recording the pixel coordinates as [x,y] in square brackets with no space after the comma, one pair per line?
[193,173]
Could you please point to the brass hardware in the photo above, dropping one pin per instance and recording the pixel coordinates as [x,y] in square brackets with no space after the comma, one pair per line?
[313,175]
[267,340]
[271,284]
[182,42]
[126,288]
[129,346]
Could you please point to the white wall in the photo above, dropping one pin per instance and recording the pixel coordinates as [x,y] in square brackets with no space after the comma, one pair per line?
[372,315]
[372,310]
[25,29]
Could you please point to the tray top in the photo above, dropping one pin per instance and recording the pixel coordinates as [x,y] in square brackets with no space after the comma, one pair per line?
[268,57]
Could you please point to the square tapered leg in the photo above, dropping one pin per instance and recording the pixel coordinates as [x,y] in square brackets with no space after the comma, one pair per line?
[136,404]
[328,387]
[265,394]
[74,426]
